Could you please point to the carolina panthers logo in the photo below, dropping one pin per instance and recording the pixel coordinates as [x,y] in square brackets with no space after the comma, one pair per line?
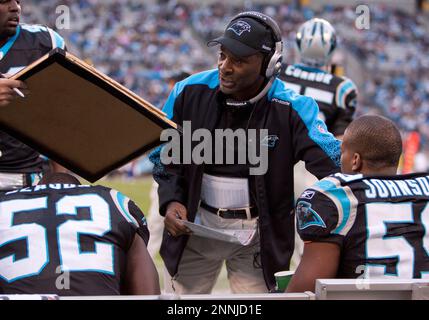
[239,27]
[307,217]
[270,141]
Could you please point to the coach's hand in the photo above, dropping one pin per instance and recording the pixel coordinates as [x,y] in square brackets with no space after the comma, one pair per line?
[174,214]
[6,90]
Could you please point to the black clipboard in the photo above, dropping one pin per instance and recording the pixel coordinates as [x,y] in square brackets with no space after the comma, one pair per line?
[81,118]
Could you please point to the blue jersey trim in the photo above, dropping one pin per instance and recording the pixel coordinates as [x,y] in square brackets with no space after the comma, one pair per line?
[344,89]
[121,201]
[308,111]
[209,78]
[59,41]
[6,47]
[339,193]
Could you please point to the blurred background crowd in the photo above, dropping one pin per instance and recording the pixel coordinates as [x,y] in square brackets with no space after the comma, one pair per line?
[143,44]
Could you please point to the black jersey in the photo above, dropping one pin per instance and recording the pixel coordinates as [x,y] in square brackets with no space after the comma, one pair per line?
[380,223]
[66,239]
[29,44]
[336,96]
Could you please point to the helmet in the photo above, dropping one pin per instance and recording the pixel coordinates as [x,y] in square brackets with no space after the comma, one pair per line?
[316,41]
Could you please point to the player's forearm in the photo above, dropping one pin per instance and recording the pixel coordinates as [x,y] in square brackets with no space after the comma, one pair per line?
[141,277]
[301,283]
[147,284]
[319,261]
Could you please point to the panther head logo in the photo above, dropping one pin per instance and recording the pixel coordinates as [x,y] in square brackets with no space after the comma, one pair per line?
[307,216]
[239,27]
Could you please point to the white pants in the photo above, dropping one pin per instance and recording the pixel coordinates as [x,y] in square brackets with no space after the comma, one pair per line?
[203,259]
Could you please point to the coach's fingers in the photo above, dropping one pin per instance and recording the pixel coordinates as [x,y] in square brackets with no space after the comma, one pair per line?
[170,224]
[182,213]
[24,88]
[174,225]
[179,209]
[20,85]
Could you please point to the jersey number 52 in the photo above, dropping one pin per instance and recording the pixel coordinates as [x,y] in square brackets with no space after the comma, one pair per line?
[68,233]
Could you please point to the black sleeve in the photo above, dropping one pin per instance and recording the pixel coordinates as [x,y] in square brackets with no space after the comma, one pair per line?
[170,177]
[345,113]
[138,215]
[50,39]
[317,218]
[170,180]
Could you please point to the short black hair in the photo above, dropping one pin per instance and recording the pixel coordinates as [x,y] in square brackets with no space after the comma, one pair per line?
[59,177]
[376,139]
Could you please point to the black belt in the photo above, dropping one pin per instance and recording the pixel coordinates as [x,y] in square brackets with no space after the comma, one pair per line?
[230,213]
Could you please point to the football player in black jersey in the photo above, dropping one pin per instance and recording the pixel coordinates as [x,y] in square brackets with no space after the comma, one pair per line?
[64,238]
[336,96]
[366,222]
[20,45]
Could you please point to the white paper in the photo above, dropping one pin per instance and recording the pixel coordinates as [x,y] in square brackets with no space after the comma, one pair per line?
[223,192]
[238,236]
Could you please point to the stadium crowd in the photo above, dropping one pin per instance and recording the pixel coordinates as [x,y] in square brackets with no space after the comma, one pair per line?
[140,45]
[137,44]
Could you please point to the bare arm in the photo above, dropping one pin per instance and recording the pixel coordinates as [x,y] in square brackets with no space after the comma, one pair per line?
[319,261]
[141,275]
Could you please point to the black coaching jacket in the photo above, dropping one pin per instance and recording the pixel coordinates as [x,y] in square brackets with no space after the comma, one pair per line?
[295,133]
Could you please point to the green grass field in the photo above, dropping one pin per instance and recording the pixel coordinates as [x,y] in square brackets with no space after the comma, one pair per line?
[138,190]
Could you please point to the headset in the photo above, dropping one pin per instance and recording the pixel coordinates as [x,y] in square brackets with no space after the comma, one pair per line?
[273,62]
